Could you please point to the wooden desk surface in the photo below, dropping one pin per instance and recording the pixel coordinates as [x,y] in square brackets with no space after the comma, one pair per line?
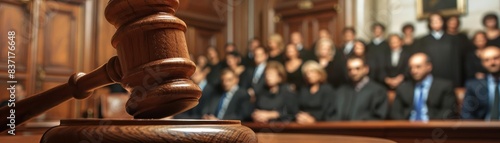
[399,131]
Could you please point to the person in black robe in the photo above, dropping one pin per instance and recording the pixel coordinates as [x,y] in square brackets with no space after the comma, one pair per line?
[276,102]
[314,97]
[410,41]
[378,43]
[473,67]
[331,61]
[233,103]
[490,22]
[293,64]
[443,49]
[453,29]
[394,62]
[371,59]
[362,99]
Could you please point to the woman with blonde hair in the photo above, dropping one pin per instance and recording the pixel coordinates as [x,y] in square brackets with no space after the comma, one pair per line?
[331,61]
[276,102]
[313,98]
[275,48]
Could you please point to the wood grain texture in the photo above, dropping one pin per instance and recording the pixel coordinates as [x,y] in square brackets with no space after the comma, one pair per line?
[148,131]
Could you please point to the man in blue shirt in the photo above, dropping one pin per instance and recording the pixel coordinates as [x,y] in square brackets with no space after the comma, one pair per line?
[425,97]
[482,96]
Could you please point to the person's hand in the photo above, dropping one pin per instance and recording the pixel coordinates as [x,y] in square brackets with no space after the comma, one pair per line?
[398,80]
[264,116]
[390,81]
[251,92]
[305,118]
[209,117]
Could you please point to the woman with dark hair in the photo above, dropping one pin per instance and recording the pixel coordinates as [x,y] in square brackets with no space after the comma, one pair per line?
[276,102]
[408,35]
[313,98]
[473,67]
[453,29]
[490,22]
[293,64]
[442,50]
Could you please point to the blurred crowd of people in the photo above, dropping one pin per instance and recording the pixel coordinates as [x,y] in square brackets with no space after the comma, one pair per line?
[279,81]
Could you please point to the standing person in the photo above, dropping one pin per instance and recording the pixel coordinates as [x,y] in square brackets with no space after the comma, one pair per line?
[254,77]
[482,96]
[276,102]
[349,35]
[443,49]
[453,29]
[247,60]
[408,31]
[425,97]
[473,67]
[232,104]
[362,99]
[313,97]
[305,53]
[275,48]
[293,64]
[394,62]
[378,43]
[370,59]
[490,22]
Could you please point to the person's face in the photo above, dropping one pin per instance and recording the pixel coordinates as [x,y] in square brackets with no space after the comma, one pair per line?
[291,51]
[480,40]
[377,31]
[232,61]
[230,48]
[229,80]
[359,49]
[325,50]
[201,61]
[197,76]
[419,67]
[490,58]
[296,38]
[260,56]
[491,23]
[436,22]
[212,54]
[356,70]
[395,42]
[254,44]
[348,36]
[324,34]
[452,23]
[408,31]
[272,77]
[272,44]
[312,77]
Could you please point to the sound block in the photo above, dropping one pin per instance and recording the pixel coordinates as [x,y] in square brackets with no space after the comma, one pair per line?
[148,131]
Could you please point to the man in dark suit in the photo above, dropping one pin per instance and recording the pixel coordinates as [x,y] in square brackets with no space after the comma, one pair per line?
[349,34]
[248,59]
[305,53]
[482,96]
[425,97]
[207,90]
[232,104]
[363,99]
[253,78]
[394,63]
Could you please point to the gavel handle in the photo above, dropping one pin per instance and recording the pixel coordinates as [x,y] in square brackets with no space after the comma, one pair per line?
[79,86]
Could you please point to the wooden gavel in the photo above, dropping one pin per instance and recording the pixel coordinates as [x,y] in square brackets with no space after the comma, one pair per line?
[152,63]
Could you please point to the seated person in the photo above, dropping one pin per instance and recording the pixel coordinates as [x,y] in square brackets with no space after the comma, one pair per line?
[232,104]
[425,97]
[252,79]
[199,77]
[362,99]
[482,96]
[276,102]
[314,95]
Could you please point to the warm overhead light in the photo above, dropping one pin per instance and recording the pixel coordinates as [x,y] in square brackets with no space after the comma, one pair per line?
[305,4]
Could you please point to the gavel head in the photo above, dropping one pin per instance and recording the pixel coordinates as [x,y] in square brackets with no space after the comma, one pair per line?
[153,57]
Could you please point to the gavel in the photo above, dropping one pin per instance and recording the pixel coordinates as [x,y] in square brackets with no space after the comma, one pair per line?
[152,63]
